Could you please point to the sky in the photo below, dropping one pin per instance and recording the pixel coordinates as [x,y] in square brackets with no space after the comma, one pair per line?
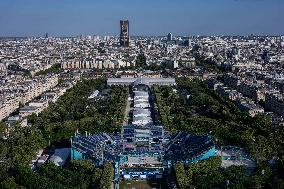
[24,18]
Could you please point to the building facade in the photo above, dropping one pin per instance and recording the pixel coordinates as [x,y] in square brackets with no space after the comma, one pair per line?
[145,81]
[124,33]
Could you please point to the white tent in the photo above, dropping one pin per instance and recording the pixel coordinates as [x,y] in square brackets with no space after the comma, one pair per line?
[60,156]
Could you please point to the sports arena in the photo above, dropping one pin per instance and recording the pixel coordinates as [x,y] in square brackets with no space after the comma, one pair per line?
[143,149]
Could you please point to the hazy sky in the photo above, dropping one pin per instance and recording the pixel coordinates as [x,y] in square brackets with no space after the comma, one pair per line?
[147,17]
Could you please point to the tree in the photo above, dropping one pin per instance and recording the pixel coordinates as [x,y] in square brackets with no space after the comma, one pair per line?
[29,179]
[56,68]
[261,149]
[107,176]
[9,183]
[141,61]
[262,124]
[183,179]
[2,128]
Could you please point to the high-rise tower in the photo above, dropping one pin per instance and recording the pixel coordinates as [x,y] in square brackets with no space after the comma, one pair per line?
[124,33]
[170,37]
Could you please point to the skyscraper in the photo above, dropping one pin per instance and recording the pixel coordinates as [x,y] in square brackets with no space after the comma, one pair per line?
[186,41]
[124,33]
[170,37]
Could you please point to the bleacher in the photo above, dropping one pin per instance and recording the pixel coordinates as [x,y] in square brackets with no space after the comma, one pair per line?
[139,144]
[185,147]
[96,146]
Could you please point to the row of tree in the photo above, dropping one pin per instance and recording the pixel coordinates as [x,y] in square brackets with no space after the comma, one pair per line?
[58,123]
[108,175]
[19,148]
[141,62]
[197,109]
[75,111]
[209,174]
[56,68]
[79,174]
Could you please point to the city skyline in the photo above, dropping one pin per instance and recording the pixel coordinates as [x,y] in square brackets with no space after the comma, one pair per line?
[65,18]
[170,94]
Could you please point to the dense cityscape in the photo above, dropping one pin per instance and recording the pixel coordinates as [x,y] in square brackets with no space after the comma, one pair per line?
[139,112]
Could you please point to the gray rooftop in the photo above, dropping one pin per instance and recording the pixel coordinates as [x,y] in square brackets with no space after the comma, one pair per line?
[144,81]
